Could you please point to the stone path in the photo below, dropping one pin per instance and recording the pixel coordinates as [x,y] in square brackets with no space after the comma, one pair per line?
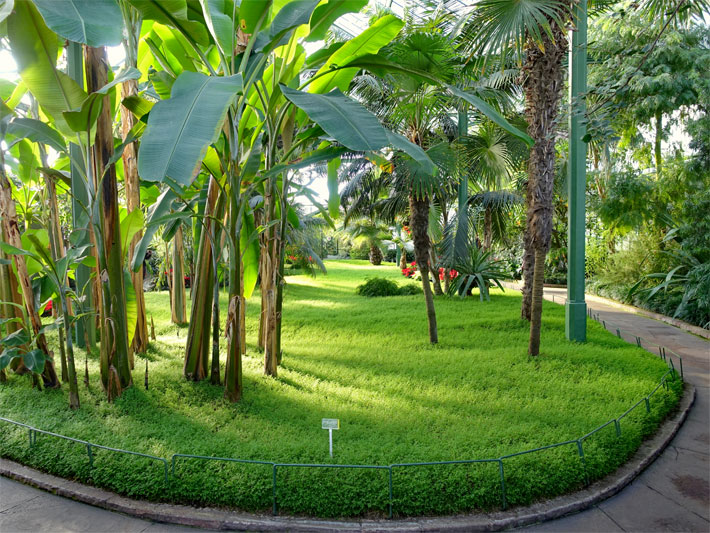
[673,494]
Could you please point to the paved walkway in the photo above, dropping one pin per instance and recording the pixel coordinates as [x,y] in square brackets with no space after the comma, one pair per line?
[673,494]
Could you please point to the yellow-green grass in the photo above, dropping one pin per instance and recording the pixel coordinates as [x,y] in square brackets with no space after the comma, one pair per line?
[366,361]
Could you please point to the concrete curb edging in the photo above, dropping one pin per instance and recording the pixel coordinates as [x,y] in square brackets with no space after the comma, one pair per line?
[211,518]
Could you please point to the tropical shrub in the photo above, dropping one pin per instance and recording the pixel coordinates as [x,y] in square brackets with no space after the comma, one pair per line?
[360,250]
[386,287]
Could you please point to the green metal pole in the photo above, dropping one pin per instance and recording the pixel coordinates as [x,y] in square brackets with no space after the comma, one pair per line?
[80,220]
[576,307]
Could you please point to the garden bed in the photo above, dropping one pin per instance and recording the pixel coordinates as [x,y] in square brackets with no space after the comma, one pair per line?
[366,361]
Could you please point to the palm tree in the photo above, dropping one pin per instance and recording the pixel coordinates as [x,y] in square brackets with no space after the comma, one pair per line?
[373,232]
[535,30]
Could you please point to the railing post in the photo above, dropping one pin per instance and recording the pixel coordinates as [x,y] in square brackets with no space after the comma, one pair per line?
[390,487]
[580,449]
[618,332]
[618,427]
[273,488]
[90,454]
[29,434]
[648,404]
[502,483]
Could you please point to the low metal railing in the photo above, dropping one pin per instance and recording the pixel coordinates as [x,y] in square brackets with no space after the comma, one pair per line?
[670,375]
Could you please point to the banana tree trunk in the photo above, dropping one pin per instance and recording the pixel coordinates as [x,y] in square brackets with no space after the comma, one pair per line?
[115,351]
[133,201]
[269,288]
[232,328]
[419,223]
[11,231]
[179,311]
[198,333]
[543,84]
[403,259]
[8,295]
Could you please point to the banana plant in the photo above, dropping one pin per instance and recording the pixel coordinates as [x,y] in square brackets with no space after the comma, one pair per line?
[252,106]
[84,118]
[56,273]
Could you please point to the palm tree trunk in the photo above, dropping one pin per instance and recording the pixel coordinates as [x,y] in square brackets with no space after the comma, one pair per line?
[116,372]
[542,74]
[487,229]
[536,314]
[403,259]
[528,268]
[434,272]
[419,214]
[133,201]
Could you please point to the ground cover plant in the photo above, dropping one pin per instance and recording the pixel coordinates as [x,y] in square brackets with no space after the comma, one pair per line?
[476,394]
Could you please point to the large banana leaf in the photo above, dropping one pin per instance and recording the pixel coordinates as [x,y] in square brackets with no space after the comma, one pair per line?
[292,15]
[36,131]
[174,13]
[181,128]
[342,118]
[131,305]
[491,113]
[368,42]
[92,22]
[218,18]
[249,245]
[35,48]
[415,152]
[327,13]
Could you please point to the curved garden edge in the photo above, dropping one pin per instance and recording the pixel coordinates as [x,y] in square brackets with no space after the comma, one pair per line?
[213,518]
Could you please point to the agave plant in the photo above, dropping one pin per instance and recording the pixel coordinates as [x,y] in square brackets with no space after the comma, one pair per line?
[478,269]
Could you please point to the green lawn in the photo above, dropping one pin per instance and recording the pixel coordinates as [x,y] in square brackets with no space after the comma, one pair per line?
[366,361]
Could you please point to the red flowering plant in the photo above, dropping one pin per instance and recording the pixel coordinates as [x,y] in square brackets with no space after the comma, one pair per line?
[296,259]
[411,270]
[442,273]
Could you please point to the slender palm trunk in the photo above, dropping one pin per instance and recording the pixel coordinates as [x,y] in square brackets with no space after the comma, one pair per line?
[487,229]
[542,83]
[179,311]
[419,214]
[115,351]
[528,267]
[133,201]
[11,231]
[434,271]
[403,259]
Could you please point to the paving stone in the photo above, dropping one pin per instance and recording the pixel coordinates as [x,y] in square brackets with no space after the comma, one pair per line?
[640,508]
[13,494]
[683,476]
